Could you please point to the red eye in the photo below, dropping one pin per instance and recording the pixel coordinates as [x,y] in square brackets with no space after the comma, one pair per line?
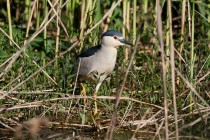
[115,37]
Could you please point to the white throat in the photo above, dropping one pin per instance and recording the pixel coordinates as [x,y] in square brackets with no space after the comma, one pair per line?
[109,50]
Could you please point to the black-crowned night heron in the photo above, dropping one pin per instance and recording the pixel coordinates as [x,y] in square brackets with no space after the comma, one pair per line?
[96,63]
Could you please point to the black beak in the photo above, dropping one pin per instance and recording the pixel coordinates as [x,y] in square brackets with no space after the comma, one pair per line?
[125,42]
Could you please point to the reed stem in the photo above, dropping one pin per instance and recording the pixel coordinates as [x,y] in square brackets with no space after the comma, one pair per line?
[134,21]
[9,21]
[192,55]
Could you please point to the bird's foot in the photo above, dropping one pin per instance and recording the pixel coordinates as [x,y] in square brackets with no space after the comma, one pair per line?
[95,111]
[83,92]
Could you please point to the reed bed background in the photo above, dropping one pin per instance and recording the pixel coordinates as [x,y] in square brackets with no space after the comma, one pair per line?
[160,88]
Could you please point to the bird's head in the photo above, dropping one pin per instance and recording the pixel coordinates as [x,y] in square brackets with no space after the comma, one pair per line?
[113,38]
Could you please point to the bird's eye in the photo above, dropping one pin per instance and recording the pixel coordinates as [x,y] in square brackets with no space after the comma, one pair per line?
[115,37]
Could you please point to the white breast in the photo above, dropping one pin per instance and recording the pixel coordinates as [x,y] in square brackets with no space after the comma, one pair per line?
[105,59]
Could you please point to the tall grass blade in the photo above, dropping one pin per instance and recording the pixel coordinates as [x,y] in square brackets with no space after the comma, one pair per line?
[192,56]
[134,20]
[9,21]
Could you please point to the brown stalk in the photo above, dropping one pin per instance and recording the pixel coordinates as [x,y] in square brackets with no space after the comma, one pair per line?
[39,103]
[127,112]
[138,126]
[57,33]
[172,69]
[158,130]
[82,14]
[124,25]
[183,23]
[75,85]
[84,19]
[7,126]
[59,19]
[151,118]
[108,20]
[182,36]
[189,18]
[159,26]
[29,20]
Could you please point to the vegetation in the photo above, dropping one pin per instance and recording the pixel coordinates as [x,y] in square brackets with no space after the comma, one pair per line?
[162,82]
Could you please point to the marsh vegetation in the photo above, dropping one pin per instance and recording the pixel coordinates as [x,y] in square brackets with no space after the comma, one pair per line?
[160,88]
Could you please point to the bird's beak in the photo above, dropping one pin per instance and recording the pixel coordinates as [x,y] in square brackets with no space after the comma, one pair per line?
[125,42]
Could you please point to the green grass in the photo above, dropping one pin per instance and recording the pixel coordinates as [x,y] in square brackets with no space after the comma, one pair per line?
[50,94]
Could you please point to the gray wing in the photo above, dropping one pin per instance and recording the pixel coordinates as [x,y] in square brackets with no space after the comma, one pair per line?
[85,60]
[82,66]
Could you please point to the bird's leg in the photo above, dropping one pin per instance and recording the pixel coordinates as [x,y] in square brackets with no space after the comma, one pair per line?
[83,92]
[95,94]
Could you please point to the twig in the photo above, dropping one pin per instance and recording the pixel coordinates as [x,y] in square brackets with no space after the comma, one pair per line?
[29,20]
[75,85]
[183,23]
[40,103]
[138,126]
[59,19]
[8,127]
